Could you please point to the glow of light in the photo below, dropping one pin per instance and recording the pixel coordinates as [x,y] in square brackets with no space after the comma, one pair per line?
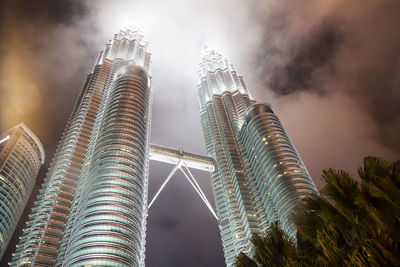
[4,139]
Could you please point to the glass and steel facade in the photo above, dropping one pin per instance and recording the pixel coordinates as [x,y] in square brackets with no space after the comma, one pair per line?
[108,226]
[280,178]
[91,209]
[21,155]
[248,196]
[92,206]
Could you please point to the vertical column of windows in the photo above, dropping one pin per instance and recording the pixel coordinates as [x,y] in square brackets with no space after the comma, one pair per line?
[41,239]
[125,52]
[221,185]
[108,225]
[90,127]
[276,164]
[19,166]
[221,121]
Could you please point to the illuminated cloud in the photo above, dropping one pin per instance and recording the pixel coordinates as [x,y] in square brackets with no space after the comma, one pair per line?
[330,69]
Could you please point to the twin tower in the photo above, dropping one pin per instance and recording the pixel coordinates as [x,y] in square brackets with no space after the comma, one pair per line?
[92,207]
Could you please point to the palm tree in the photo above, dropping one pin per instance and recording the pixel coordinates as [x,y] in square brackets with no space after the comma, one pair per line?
[352,223]
[274,249]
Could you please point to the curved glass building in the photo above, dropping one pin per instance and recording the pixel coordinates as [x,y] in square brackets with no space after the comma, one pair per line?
[91,208]
[21,155]
[108,228]
[280,178]
[223,100]
[259,177]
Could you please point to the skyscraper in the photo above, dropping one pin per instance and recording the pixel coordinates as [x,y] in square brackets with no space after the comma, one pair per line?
[91,209]
[21,155]
[259,177]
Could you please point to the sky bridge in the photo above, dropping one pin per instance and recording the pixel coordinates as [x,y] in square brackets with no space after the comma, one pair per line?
[182,160]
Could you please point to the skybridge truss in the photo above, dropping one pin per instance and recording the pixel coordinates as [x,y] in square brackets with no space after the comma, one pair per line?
[182,161]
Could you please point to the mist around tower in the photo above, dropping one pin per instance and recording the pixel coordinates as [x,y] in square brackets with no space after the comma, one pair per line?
[329,70]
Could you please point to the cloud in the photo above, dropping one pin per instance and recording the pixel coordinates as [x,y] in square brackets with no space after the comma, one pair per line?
[337,46]
[330,69]
[330,131]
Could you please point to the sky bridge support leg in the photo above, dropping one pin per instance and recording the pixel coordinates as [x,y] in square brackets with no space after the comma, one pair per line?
[181,164]
[177,166]
[199,191]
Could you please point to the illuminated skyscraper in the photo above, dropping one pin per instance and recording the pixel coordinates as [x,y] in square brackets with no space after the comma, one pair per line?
[21,155]
[91,209]
[259,177]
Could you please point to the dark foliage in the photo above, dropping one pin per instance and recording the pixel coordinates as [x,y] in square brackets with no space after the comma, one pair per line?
[352,223]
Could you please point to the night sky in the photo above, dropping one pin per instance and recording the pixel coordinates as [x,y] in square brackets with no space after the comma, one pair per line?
[330,69]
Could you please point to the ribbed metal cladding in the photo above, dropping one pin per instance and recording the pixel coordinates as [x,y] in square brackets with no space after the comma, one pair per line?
[38,246]
[20,159]
[223,101]
[280,175]
[108,228]
[46,238]
[254,184]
